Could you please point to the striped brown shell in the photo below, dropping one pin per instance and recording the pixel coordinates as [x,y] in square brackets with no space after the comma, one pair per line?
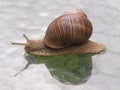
[71,28]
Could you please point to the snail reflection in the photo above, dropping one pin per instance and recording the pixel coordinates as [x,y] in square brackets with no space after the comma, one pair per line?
[68,69]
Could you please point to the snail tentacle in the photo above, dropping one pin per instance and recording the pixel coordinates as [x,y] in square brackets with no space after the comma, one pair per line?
[26,37]
[22,43]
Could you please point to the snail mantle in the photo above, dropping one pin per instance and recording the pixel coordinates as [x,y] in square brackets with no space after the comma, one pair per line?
[67,34]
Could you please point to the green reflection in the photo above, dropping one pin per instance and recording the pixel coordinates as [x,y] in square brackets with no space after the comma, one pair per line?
[68,69]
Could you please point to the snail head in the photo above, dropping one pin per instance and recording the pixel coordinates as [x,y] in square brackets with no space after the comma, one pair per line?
[28,46]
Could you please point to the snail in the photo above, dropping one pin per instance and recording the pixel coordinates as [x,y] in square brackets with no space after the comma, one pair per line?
[67,34]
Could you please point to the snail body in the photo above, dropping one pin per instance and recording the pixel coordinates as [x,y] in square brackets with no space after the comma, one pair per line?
[67,34]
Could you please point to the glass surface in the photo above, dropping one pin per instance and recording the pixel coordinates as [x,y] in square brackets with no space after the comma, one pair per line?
[32,17]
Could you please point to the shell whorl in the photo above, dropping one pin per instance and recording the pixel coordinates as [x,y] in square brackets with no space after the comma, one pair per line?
[68,29]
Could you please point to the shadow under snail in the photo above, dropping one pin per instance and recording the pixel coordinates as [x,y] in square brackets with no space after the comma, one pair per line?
[67,34]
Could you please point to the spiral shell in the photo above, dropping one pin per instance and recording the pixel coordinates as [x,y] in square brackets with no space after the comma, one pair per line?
[71,28]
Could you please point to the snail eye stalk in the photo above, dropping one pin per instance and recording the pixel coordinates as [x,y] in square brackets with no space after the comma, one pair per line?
[22,43]
[26,37]
[18,43]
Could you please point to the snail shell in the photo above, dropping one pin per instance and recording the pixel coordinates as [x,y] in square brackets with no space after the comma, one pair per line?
[71,28]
